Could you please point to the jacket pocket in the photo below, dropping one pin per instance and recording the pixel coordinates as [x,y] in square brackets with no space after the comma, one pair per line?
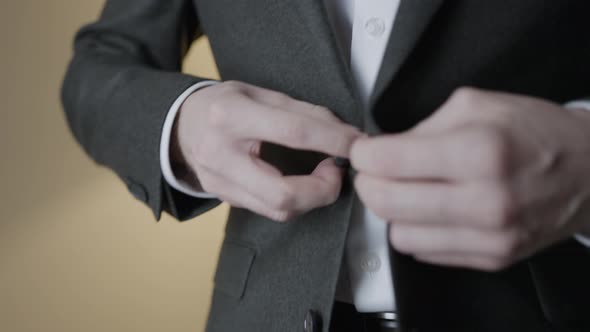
[233,268]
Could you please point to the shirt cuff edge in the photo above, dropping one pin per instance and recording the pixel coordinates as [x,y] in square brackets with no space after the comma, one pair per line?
[165,164]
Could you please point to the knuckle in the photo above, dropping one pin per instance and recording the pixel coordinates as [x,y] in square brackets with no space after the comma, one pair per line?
[219,114]
[503,208]
[380,202]
[465,97]
[393,241]
[496,264]
[324,112]
[343,144]
[380,207]
[494,148]
[328,112]
[280,216]
[391,233]
[296,133]
[508,247]
[328,192]
[400,244]
[283,199]
[365,194]
[333,195]
[356,154]
[491,266]
[277,98]
[233,85]
[360,184]
[399,240]
[506,208]
[375,198]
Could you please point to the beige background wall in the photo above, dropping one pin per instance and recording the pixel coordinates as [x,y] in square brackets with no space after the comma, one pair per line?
[77,252]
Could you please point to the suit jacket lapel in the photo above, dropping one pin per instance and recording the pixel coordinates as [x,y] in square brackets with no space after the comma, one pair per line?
[412,19]
[313,14]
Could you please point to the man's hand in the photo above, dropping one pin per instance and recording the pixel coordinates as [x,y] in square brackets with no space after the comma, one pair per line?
[219,133]
[489,179]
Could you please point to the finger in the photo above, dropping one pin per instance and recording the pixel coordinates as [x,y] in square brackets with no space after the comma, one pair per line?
[290,193]
[244,117]
[483,263]
[320,188]
[449,156]
[412,202]
[283,101]
[404,156]
[431,240]
[230,192]
[430,203]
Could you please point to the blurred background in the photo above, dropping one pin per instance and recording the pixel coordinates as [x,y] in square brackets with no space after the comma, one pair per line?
[77,252]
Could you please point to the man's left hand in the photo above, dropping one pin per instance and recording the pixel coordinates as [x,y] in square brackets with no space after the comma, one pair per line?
[489,179]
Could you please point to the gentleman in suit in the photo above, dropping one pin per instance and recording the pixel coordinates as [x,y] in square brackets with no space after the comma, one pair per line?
[485,190]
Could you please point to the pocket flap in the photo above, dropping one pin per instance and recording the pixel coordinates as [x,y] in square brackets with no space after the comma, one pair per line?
[235,261]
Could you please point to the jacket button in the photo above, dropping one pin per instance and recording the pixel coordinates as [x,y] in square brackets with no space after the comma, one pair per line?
[312,322]
[342,162]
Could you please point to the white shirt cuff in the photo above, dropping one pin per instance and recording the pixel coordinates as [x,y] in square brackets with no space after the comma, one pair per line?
[165,165]
[583,239]
[585,105]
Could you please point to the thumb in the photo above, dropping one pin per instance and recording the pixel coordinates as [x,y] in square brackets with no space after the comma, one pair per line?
[328,172]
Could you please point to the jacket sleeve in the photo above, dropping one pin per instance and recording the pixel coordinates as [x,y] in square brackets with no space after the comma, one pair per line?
[120,84]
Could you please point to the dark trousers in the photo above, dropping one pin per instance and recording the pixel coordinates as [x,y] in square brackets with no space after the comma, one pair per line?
[345,318]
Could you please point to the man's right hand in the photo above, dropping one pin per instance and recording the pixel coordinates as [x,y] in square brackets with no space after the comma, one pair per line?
[219,132]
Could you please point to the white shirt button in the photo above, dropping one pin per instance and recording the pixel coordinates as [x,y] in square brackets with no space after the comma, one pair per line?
[370,263]
[375,26]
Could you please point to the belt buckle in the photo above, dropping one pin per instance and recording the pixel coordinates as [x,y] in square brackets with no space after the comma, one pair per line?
[381,321]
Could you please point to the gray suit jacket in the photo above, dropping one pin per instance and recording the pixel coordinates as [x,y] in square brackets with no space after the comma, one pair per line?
[125,76]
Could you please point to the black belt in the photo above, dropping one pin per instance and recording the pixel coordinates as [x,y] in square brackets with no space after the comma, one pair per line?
[345,318]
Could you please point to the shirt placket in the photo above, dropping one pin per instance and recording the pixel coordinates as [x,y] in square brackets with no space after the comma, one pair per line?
[367,248]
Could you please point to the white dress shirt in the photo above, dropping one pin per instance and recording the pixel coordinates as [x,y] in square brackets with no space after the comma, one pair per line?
[366,26]
[362,28]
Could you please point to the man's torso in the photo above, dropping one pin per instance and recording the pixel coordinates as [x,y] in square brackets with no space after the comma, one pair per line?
[271,274]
